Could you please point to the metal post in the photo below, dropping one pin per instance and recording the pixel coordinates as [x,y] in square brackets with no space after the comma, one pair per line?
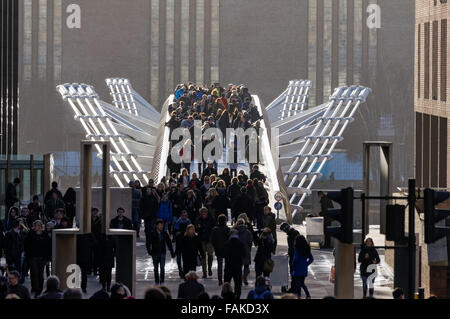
[411,238]
[363,218]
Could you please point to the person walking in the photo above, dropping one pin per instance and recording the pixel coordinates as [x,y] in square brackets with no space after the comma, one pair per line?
[107,252]
[85,244]
[11,194]
[292,234]
[165,211]
[179,229]
[246,237]
[36,246]
[156,247]
[148,208]
[13,246]
[235,253]
[121,221]
[367,256]
[219,236]
[135,200]
[270,221]
[191,249]
[302,259]
[264,252]
[204,225]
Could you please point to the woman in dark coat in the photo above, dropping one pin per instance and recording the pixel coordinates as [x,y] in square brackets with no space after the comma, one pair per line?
[264,251]
[226,176]
[367,256]
[70,202]
[219,236]
[191,248]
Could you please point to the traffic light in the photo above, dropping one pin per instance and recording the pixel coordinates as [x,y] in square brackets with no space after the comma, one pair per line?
[395,222]
[432,215]
[344,215]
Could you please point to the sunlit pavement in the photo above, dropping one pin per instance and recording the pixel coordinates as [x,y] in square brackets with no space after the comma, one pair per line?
[317,281]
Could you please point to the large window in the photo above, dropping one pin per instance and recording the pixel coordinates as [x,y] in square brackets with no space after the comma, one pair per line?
[444,60]
[426,89]
[434,78]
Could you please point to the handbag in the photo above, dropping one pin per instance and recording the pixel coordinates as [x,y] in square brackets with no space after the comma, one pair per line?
[269,264]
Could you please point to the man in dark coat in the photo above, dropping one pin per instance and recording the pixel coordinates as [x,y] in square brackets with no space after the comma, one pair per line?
[325,204]
[257,174]
[54,189]
[107,252]
[148,208]
[51,205]
[292,234]
[219,236]
[156,247]
[204,225]
[235,253]
[37,245]
[191,288]
[15,288]
[85,244]
[242,205]
[121,221]
[11,194]
[209,170]
[13,245]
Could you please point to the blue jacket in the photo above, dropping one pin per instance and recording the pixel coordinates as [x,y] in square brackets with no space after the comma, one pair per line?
[165,211]
[300,265]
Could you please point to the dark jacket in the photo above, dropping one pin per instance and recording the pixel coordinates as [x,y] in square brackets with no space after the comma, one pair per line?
[156,243]
[85,244]
[190,290]
[209,171]
[11,195]
[264,250]
[51,205]
[148,207]
[37,246]
[271,223]
[204,227]
[107,251]
[20,290]
[365,262]
[291,236]
[242,204]
[191,247]
[235,253]
[13,246]
[219,237]
[258,175]
[246,237]
[220,205]
[126,223]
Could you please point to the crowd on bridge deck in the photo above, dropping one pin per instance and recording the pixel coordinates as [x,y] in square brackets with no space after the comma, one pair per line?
[214,107]
[185,215]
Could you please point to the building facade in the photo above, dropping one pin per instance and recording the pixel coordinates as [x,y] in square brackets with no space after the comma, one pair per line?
[432,110]
[262,43]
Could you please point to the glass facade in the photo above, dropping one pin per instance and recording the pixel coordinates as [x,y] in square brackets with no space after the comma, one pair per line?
[350,44]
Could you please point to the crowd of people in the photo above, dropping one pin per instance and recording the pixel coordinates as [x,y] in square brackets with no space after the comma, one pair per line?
[194,215]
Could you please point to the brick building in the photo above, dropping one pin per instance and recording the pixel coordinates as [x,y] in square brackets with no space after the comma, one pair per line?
[432,111]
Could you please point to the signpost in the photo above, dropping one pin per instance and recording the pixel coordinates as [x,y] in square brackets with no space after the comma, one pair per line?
[278,206]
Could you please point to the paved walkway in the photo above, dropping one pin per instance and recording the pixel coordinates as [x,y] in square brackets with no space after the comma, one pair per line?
[318,280]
